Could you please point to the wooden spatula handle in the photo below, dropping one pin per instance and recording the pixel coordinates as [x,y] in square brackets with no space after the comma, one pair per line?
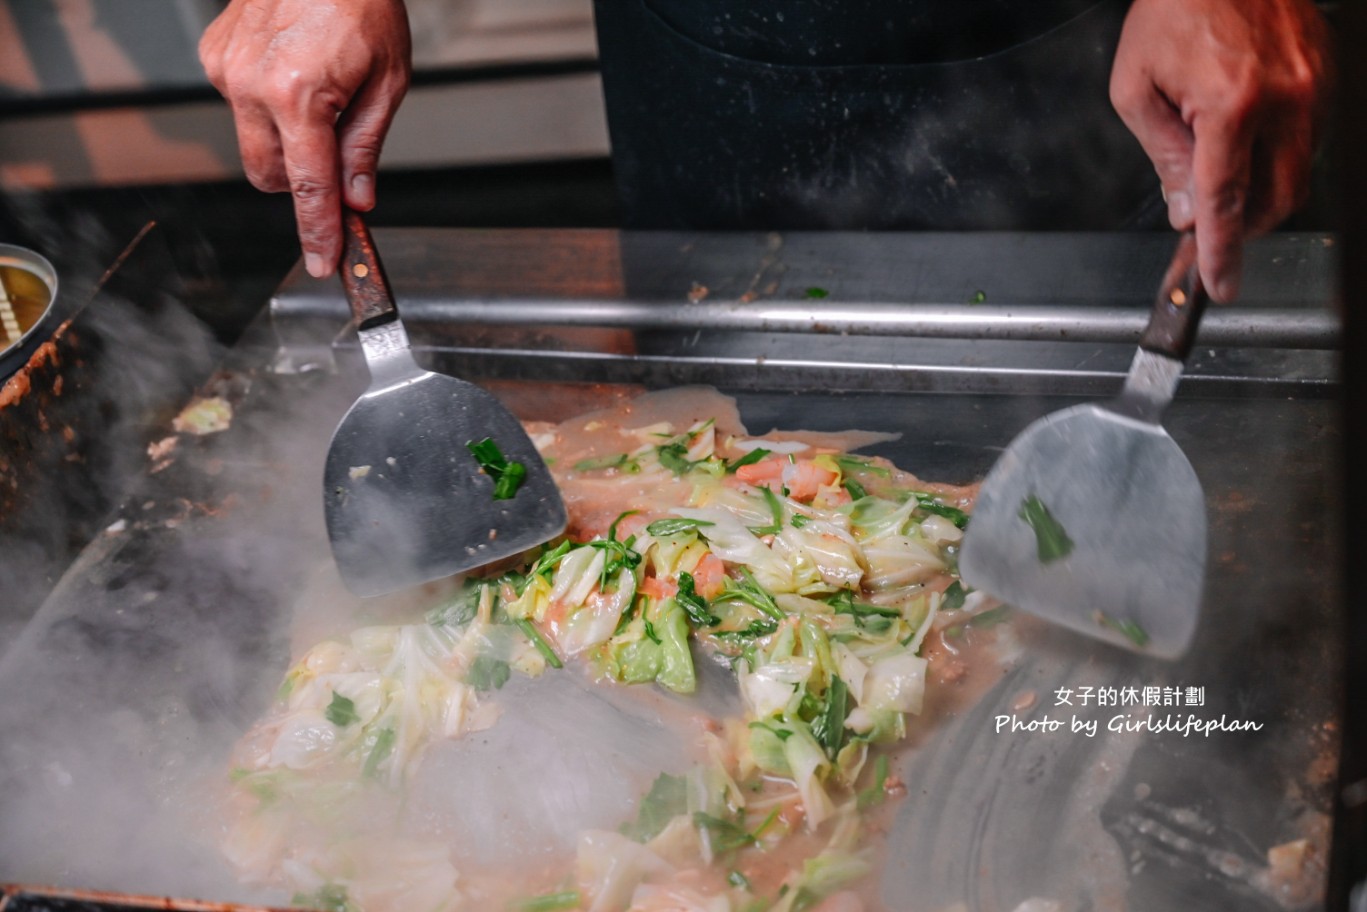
[1177,310]
[367,289]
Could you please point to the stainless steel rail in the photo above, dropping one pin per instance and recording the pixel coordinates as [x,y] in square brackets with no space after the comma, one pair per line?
[1263,327]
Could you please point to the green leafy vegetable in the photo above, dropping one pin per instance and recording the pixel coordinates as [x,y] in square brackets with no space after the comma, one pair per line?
[855,489]
[855,464]
[749,458]
[545,564]
[674,456]
[460,610]
[799,520]
[829,726]
[775,511]
[379,752]
[1051,541]
[487,673]
[843,602]
[651,634]
[722,835]
[953,597]
[927,503]
[529,630]
[694,605]
[507,476]
[341,712]
[990,618]
[329,897]
[874,794]
[550,902]
[816,292]
[754,630]
[675,525]
[738,880]
[752,593]
[620,461]
[667,799]
[1128,628]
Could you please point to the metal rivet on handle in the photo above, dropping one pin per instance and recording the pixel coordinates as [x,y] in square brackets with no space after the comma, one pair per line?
[360,270]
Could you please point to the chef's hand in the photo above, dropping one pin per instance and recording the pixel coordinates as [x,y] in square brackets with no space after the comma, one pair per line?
[313,85]
[1224,96]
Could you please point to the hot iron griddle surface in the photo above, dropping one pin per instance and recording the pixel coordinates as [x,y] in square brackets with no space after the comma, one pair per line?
[169,636]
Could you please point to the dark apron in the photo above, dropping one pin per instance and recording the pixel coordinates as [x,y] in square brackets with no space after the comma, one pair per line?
[717,123]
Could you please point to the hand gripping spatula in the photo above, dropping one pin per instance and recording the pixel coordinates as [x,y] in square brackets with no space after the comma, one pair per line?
[1093,517]
[406,499]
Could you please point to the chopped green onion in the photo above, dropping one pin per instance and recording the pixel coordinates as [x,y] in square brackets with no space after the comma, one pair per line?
[620,461]
[529,630]
[612,529]
[927,503]
[978,297]
[874,794]
[550,902]
[749,458]
[330,897]
[855,464]
[800,520]
[1132,631]
[341,712]
[675,525]
[775,511]
[379,751]
[855,489]
[651,634]
[782,734]
[953,598]
[507,476]
[816,292]
[1051,541]
[738,880]
[765,824]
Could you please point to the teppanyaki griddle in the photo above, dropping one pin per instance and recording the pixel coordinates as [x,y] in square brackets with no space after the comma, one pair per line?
[175,626]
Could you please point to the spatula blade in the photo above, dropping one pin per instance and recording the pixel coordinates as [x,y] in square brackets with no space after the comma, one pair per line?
[405,500]
[1131,504]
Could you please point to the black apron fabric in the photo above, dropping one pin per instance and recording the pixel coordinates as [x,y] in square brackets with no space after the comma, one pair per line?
[911,114]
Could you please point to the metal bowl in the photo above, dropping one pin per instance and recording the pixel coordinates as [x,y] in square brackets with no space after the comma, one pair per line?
[15,353]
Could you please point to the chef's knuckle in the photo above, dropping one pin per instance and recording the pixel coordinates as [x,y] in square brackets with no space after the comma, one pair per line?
[309,191]
[280,90]
[1227,201]
[1127,95]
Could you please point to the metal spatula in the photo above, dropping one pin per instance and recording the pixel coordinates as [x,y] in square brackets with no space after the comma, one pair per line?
[406,498]
[1093,517]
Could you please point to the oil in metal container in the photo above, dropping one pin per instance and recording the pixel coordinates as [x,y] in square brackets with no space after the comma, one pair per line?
[28,288]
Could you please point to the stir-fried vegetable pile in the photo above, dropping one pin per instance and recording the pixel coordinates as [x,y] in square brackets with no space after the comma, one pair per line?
[816,575]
